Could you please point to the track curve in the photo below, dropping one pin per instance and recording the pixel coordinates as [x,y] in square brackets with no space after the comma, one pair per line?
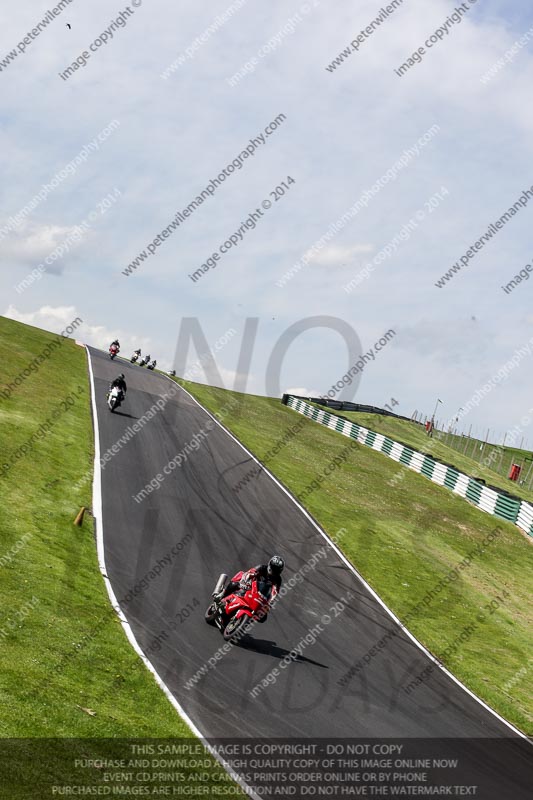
[212,529]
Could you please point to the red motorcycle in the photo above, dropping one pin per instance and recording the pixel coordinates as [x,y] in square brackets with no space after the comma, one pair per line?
[113,350]
[233,614]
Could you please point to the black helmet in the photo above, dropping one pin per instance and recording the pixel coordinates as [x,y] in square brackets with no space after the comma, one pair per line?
[275,566]
[121,376]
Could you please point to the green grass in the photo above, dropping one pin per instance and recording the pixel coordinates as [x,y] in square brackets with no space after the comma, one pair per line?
[67,667]
[414,435]
[404,538]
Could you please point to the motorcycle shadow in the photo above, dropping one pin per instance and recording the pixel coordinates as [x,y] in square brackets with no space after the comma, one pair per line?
[269,648]
[123,414]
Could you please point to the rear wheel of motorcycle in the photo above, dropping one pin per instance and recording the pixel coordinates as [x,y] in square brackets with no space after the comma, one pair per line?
[210,614]
[235,628]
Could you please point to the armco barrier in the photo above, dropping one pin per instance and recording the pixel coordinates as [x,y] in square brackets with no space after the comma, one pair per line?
[347,405]
[488,499]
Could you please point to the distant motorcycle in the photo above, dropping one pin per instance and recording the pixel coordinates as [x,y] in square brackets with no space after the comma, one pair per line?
[114,398]
[144,361]
[233,614]
[152,365]
[135,357]
[113,350]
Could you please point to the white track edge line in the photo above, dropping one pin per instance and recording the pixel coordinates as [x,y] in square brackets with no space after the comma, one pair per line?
[355,571]
[98,517]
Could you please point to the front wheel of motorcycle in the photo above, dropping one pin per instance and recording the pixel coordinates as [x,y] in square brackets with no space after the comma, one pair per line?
[210,614]
[235,628]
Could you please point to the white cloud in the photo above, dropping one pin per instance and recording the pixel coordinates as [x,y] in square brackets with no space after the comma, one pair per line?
[302,391]
[338,256]
[56,319]
[50,318]
[30,244]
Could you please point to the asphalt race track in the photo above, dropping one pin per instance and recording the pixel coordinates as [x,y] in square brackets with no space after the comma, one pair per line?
[215,529]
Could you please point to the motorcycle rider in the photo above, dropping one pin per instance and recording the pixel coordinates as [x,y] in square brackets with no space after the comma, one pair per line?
[146,359]
[153,364]
[269,573]
[116,343]
[120,383]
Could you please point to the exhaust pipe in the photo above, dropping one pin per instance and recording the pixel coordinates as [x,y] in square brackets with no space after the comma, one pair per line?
[221,584]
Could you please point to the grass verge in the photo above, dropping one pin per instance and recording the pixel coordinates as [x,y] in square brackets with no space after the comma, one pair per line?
[412,434]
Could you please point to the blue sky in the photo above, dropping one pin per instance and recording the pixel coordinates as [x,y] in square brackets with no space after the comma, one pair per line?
[343,130]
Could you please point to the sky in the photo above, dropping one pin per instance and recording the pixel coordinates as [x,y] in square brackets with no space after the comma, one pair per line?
[156,113]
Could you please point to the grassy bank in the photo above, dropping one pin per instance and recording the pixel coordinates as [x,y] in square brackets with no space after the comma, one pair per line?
[414,435]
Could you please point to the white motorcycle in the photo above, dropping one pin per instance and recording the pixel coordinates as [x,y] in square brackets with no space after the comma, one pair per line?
[114,398]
